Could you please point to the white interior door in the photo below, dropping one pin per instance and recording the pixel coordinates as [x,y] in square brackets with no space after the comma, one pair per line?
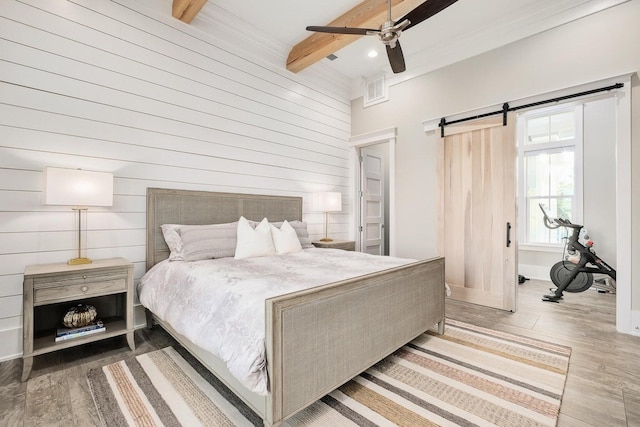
[372,201]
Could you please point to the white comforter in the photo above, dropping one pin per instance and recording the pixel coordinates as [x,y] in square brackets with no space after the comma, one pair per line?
[219,304]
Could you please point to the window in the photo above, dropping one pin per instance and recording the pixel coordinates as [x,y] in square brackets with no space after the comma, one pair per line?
[550,159]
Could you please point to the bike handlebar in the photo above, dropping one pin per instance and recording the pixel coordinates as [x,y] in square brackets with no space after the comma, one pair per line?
[554,223]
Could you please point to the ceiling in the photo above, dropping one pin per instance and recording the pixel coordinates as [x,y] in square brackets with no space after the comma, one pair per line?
[465,29]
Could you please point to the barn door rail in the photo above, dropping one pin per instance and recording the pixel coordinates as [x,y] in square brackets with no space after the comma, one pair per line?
[506,108]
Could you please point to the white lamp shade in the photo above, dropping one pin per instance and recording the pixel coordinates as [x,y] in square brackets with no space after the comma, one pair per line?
[327,201]
[76,187]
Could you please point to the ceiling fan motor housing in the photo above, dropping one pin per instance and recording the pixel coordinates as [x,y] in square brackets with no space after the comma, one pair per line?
[388,34]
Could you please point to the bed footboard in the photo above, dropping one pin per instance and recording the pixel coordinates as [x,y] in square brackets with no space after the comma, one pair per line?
[318,339]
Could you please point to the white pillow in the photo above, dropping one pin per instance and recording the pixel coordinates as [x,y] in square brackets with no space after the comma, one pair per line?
[301,231]
[254,243]
[285,238]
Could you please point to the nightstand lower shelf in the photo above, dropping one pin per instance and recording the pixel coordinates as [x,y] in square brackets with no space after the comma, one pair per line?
[45,343]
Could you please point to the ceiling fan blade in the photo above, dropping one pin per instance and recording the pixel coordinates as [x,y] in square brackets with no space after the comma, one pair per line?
[343,30]
[425,10]
[396,58]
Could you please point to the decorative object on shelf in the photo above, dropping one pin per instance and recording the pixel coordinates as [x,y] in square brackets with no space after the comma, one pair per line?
[78,188]
[327,201]
[79,316]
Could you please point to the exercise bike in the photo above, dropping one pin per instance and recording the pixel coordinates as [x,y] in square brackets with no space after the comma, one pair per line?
[575,274]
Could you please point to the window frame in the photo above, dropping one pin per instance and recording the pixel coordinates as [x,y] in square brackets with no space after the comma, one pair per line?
[549,147]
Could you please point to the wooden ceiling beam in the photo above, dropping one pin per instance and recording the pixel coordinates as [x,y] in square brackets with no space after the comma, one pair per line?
[368,14]
[186,10]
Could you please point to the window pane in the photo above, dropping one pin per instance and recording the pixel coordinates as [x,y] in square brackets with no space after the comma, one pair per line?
[562,126]
[564,208]
[561,174]
[550,174]
[556,127]
[538,233]
[537,170]
[537,130]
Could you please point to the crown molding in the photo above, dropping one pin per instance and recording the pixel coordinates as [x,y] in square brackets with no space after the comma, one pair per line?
[236,32]
[230,32]
[226,26]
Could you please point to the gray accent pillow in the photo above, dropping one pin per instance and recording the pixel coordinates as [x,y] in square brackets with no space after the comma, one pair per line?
[208,241]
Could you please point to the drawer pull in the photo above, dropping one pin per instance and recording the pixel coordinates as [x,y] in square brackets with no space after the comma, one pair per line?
[84,288]
[84,277]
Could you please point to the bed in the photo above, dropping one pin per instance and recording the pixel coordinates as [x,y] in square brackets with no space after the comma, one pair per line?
[302,370]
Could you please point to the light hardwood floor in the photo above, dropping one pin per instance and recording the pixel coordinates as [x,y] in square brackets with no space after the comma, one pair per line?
[603,386]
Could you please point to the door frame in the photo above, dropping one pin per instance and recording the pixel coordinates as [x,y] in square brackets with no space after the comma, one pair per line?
[625,318]
[356,142]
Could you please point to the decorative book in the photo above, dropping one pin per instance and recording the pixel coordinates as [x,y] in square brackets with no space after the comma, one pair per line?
[70,333]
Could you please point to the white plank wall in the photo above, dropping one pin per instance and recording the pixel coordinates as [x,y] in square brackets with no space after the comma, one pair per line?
[113,86]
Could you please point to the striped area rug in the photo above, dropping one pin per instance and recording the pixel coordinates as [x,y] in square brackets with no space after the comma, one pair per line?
[470,376]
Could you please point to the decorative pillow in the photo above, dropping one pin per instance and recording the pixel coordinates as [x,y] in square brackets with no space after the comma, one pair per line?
[301,231]
[285,239]
[254,243]
[173,240]
[208,241]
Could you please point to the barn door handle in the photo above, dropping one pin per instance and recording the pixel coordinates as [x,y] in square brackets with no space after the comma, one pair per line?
[508,234]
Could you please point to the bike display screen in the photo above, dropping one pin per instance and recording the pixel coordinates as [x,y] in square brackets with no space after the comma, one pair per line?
[546,214]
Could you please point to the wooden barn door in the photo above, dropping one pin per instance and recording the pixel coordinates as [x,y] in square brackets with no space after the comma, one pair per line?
[477,212]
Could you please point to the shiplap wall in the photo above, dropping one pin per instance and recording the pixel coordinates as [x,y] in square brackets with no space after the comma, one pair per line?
[113,86]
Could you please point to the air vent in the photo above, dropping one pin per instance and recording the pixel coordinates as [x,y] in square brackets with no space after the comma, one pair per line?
[375,91]
[332,57]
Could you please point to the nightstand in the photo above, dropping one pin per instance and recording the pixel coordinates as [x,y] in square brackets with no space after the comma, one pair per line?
[347,245]
[51,289]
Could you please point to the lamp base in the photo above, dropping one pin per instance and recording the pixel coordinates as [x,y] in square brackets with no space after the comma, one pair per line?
[326,239]
[79,261]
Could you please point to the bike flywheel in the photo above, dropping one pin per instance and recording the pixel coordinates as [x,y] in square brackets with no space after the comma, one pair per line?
[561,271]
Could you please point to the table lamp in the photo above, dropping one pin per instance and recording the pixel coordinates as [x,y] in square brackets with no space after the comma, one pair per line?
[80,189]
[327,201]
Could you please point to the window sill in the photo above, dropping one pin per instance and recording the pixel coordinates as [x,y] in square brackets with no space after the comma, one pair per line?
[541,248]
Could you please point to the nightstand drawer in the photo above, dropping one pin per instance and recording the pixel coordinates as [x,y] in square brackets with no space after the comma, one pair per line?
[51,289]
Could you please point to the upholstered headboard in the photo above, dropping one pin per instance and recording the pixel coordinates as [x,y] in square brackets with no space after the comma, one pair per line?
[167,206]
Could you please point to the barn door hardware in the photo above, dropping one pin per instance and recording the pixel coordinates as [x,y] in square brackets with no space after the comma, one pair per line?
[506,108]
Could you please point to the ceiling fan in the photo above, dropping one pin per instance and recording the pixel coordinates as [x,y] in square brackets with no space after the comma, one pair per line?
[390,31]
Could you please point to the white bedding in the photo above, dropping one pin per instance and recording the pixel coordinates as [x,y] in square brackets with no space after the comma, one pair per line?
[218,304]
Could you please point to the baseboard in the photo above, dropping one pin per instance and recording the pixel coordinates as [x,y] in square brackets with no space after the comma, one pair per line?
[11,340]
[534,271]
[10,357]
[635,322]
